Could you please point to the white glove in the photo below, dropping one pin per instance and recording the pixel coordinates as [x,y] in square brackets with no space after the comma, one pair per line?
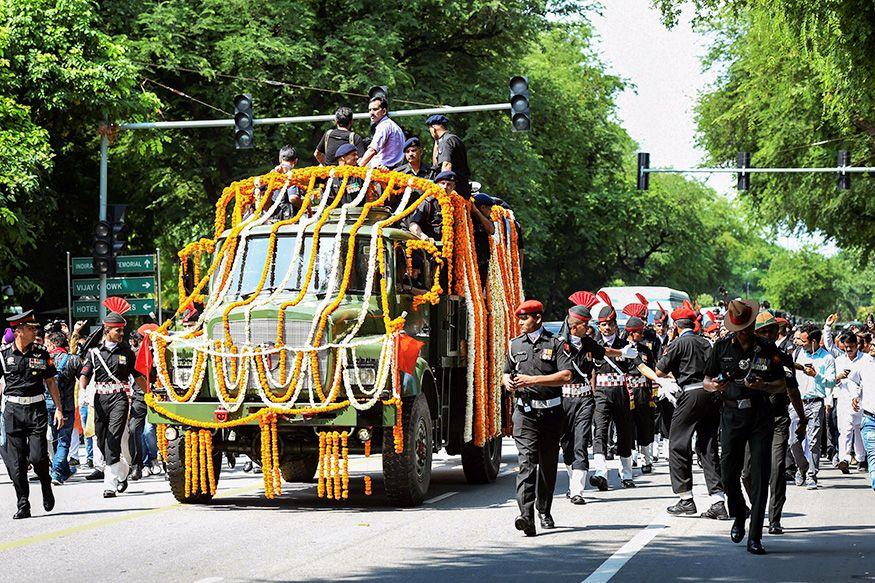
[669,390]
[629,351]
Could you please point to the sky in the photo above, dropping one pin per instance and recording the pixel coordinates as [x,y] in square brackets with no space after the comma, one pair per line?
[665,74]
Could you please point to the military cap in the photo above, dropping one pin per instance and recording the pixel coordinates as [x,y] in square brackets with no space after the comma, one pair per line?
[529,307]
[483,198]
[765,319]
[683,313]
[412,142]
[607,313]
[437,119]
[343,150]
[24,318]
[782,321]
[634,324]
[580,313]
[114,320]
[445,175]
[740,314]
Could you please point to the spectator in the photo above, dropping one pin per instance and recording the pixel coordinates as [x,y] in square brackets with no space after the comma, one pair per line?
[69,367]
[387,146]
[326,150]
[449,154]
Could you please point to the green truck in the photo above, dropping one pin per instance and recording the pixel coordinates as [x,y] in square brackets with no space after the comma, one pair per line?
[434,398]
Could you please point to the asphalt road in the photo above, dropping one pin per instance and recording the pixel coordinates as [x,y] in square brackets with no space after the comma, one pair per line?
[461,533]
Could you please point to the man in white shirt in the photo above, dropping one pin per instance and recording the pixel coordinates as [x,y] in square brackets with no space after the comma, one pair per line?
[864,402]
[848,420]
[387,146]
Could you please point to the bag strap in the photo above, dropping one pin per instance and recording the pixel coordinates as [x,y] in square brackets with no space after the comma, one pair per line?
[3,363]
[352,138]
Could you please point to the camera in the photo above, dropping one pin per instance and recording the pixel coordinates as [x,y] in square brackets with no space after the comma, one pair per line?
[54,326]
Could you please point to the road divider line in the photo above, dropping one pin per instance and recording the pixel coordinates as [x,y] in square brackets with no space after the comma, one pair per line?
[47,536]
[612,566]
[443,496]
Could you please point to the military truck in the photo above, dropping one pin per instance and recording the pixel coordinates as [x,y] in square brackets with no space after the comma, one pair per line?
[244,309]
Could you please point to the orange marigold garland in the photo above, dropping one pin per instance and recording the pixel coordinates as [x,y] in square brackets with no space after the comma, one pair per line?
[367,485]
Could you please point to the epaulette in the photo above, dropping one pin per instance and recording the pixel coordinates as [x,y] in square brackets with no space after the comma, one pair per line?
[517,337]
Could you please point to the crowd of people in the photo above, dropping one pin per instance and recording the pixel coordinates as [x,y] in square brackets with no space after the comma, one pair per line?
[757,400]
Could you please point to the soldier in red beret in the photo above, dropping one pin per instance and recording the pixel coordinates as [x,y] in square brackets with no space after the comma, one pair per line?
[534,371]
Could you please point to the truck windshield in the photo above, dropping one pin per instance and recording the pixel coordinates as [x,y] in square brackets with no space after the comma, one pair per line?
[290,271]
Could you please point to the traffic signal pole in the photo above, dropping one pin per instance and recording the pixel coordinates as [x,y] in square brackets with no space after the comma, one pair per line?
[104,153]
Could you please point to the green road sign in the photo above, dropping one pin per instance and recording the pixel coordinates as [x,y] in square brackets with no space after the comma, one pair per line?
[115,286]
[90,308]
[123,264]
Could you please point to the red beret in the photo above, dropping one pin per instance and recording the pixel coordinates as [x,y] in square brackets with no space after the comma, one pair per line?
[530,307]
[683,313]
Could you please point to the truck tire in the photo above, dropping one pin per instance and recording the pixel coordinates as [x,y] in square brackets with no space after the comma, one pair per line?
[481,464]
[175,467]
[407,475]
[301,469]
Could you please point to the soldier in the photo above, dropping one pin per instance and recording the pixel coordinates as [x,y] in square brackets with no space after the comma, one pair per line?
[578,403]
[612,402]
[696,411]
[413,157]
[26,369]
[112,365]
[640,382]
[535,369]
[745,368]
[767,327]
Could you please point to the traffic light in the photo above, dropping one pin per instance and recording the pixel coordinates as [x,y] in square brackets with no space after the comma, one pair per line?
[743,177]
[110,238]
[643,177]
[244,129]
[520,116]
[844,159]
[379,91]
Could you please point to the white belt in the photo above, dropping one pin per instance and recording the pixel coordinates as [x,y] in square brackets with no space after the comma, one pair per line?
[610,380]
[110,388]
[693,387]
[637,382]
[541,404]
[25,400]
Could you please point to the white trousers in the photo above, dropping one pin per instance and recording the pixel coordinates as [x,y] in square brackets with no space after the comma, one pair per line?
[116,473]
[849,422]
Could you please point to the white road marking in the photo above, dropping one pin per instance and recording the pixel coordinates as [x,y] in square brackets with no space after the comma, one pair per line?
[443,496]
[210,580]
[611,567]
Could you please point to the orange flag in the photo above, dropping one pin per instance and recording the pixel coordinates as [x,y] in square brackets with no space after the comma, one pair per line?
[407,352]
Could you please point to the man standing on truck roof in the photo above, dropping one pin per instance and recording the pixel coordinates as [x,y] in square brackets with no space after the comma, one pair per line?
[326,150]
[449,153]
[535,369]
[387,146]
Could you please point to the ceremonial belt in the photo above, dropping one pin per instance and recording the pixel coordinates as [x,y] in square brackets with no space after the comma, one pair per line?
[637,382]
[540,404]
[576,390]
[25,400]
[111,388]
[610,380]
[812,400]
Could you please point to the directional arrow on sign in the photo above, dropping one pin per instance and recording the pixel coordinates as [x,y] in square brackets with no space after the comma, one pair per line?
[90,308]
[124,264]
[115,286]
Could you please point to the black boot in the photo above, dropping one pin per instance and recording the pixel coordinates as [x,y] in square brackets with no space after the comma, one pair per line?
[685,506]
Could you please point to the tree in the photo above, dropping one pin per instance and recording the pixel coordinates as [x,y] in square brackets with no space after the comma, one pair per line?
[804,283]
[797,86]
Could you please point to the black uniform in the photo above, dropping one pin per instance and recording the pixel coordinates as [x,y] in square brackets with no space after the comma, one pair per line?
[780,440]
[664,407]
[26,424]
[425,170]
[578,403]
[536,427]
[333,139]
[111,401]
[451,149]
[644,413]
[429,217]
[697,411]
[613,401]
[747,419]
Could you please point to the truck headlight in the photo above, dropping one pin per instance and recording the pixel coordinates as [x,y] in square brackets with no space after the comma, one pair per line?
[367,376]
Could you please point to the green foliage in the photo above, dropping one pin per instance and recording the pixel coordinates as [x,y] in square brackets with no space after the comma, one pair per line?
[804,282]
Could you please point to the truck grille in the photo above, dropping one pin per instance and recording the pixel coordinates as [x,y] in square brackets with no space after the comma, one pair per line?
[263,332]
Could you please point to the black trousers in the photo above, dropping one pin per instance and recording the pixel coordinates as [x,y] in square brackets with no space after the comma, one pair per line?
[643,417]
[136,426]
[110,418]
[26,443]
[664,413]
[612,404]
[536,434]
[698,412]
[739,429]
[777,483]
[576,430]
[832,433]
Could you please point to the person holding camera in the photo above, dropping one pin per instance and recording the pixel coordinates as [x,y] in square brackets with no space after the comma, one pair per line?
[745,369]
